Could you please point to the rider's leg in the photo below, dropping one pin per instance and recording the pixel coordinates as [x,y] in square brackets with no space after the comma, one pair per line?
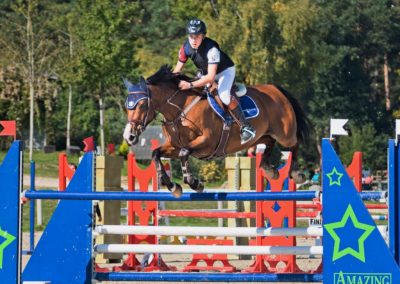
[247,131]
[225,80]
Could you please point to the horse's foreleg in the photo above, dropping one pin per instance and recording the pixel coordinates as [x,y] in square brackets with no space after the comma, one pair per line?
[270,170]
[164,179]
[188,178]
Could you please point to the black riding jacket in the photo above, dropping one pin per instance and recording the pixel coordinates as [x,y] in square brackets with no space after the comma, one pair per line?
[199,56]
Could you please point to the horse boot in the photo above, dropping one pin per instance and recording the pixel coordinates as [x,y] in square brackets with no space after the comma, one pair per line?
[247,131]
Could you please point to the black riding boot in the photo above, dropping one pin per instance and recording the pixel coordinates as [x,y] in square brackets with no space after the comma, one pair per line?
[247,131]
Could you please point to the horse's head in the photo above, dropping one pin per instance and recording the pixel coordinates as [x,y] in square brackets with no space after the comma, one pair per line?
[139,110]
[149,96]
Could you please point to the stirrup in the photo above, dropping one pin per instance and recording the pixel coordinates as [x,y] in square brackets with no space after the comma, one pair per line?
[246,134]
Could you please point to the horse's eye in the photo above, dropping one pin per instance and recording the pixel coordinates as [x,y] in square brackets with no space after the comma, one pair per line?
[143,106]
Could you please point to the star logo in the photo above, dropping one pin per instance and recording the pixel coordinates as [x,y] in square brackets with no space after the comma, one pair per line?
[9,239]
[334,177]
[359,253]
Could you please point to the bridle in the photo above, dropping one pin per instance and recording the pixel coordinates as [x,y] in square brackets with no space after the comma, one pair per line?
[144,93]
[132,104]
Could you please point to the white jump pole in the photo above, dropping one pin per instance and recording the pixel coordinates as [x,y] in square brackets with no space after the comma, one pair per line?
[207,231]
[203,249]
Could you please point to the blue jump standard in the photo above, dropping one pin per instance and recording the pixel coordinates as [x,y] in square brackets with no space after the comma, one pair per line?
[10,218]
[354,251]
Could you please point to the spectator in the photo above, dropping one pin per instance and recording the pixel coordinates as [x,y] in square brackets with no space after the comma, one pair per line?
[316,177]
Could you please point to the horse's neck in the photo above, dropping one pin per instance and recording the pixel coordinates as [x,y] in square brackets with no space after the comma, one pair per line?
[174,106]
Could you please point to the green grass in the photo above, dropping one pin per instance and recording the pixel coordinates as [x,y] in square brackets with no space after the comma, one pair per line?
[46,165]
[48,207]
[184,221]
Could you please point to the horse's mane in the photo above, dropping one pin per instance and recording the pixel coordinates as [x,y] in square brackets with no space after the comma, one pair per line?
[165,75]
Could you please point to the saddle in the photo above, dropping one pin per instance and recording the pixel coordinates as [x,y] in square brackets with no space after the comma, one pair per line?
[248,106]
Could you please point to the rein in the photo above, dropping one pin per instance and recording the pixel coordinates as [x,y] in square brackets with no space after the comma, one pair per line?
[182,114]
[185,110]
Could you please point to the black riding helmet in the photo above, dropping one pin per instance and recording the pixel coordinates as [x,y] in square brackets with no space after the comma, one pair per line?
[195,27]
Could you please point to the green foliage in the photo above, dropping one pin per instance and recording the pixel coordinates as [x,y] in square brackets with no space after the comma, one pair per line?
[106,39]
[123,149]
[212,172]
[330,54]
[208,171]
[366,140]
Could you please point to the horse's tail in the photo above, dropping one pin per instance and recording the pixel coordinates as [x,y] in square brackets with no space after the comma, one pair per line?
[303,123]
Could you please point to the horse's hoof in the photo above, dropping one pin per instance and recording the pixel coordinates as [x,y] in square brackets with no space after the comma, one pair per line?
[299,178]
[272,173]
[199,188]
[176,190]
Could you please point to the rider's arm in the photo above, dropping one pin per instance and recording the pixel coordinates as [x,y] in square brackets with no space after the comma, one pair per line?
[209,78]
[182,58]
[213,57]
[178,67]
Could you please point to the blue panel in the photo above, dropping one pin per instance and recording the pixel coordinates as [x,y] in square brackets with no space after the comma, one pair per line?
[208,277]
[354,250]
[249,107]
[10,217]
[63,254]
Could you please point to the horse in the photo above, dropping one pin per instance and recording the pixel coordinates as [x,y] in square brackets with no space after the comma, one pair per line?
[193,128]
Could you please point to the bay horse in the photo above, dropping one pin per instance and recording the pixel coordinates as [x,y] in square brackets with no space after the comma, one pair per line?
[193,128]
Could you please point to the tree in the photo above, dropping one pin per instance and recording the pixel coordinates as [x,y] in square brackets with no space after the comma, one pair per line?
[370,146]
[29,48]
[106,33]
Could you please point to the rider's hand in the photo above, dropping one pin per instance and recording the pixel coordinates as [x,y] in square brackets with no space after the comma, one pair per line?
[213,86]
[184,85]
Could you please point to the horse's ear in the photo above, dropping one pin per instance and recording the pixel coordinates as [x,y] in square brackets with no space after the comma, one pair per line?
[127,84]
[142,83]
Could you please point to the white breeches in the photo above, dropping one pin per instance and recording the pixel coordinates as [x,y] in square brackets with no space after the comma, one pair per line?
[225,80]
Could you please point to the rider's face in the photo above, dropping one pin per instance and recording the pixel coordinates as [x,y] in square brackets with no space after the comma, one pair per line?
[196,40]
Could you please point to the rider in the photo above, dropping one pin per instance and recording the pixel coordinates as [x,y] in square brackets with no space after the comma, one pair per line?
[215,66]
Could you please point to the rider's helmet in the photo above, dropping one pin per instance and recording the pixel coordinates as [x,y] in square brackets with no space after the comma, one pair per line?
[195,27]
